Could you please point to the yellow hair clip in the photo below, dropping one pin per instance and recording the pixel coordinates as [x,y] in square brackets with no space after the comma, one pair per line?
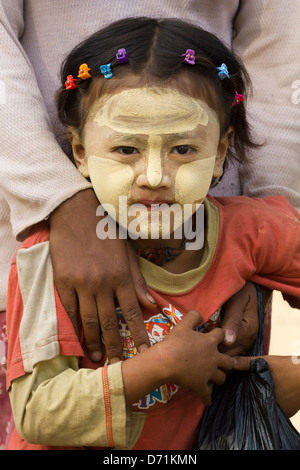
[83,72]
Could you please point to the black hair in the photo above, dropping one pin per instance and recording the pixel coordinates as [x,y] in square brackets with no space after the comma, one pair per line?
[155,48]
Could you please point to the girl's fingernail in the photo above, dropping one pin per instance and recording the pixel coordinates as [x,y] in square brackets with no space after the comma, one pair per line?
[142,348]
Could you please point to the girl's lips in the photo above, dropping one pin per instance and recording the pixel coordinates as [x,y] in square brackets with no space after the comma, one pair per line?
[152,205]
[150,202]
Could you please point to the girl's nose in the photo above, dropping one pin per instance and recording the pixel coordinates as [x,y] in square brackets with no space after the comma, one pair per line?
[152,172]
[154,167]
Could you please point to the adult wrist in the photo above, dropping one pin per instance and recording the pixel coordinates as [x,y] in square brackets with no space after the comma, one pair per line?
[77,202]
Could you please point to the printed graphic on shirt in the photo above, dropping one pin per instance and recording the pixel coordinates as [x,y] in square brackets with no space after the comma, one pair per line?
[158,326]
[174,315]
[214,321]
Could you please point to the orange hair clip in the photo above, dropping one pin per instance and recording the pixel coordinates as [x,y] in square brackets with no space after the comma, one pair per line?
[83,72]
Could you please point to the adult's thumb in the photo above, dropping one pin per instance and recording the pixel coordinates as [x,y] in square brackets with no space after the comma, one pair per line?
[242,362]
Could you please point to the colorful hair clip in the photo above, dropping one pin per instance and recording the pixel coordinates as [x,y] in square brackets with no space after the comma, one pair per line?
[238,99]
[70,83]
[189,57]
[83,72]
[223,72]
[122,56]
[105,70]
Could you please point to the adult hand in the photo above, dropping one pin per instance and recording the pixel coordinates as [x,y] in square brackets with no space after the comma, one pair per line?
[285,371]
[90,274]
[240,322]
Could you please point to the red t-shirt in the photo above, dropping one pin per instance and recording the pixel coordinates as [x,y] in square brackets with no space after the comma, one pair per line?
[257,240]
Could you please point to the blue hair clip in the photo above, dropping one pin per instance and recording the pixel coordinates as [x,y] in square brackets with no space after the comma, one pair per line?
[223,72]
[105,70]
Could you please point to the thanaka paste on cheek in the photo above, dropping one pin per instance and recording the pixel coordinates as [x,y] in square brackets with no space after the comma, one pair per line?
[193,180]
[110,179]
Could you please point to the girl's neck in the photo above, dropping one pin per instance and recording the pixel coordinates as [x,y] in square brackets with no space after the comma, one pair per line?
[169,254]
[186,261]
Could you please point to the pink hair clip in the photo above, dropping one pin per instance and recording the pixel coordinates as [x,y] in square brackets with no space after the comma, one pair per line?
[238,99]
[189,57]
[70,83]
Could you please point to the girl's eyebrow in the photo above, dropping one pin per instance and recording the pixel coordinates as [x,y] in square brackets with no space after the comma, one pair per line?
[184,136]
[116,137]
[120,138]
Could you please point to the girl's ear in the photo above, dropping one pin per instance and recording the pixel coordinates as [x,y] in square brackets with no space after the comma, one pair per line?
[78,151]
[222,151]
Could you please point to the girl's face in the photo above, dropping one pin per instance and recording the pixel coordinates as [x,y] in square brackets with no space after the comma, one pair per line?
[150,146]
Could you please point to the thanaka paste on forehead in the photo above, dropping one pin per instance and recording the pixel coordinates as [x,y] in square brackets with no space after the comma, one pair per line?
[135,111]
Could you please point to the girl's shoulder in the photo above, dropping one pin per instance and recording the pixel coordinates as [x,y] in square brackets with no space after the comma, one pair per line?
[244,206]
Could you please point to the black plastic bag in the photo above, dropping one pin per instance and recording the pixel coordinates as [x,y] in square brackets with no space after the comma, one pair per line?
[244,414]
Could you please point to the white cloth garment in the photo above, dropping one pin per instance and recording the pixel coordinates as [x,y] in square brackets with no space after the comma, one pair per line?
[35,35]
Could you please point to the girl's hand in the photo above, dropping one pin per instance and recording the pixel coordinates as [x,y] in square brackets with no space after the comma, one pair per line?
[90,273]
[192,359]
[185,357]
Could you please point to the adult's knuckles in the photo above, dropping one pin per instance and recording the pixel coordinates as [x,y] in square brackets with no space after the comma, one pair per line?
[90,323]
[71,311]
[62,278]
[133,314]
[140,283]
[109,324]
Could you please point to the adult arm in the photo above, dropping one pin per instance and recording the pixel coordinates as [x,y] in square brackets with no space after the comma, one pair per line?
[38,180]
[36,176]
[285,372]
[267,39]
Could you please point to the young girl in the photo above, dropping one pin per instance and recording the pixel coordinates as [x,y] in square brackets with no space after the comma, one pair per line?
[151,108]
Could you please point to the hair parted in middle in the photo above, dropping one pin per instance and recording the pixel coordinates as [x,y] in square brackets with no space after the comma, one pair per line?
[155,49]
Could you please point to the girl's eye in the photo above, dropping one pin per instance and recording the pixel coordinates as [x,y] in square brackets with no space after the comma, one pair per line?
[182,150]
[127,150]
